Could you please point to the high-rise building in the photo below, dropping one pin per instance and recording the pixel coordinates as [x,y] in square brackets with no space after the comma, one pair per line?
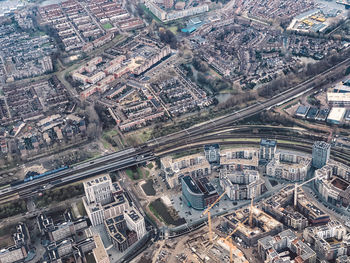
[320,154]
[168,3]
[135,222]
[212,153]
[267,149]
[99,190]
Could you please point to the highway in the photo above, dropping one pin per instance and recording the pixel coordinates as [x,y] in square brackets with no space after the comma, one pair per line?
[109,163]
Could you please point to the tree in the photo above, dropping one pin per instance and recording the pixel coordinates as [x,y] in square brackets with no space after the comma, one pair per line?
[199,65]
[168,37]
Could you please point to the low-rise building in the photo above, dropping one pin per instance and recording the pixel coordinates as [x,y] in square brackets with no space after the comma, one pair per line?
[57,251]
[62,230]
[338,99]
[263,225]
[175,14]
[331,241]
[240,159]
[19,251]
[100,253]
[240,185]
[314,214]
[290,166]
[336,115]
[280,207]
[195,165]
[282,247]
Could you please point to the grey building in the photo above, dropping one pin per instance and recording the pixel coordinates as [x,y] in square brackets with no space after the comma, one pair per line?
[191,193]
[285,247]
[212,153]
[199,193]
[99,189]
[320,154]
[267,149]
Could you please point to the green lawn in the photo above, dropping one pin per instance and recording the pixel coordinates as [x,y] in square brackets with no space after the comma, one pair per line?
[173,29]
[155,213]
[81,208]
[139,171]
[130,174]
[107,26]
[150,166]
[111,132]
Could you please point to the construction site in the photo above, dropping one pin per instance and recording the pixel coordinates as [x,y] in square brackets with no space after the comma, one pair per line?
[250,231]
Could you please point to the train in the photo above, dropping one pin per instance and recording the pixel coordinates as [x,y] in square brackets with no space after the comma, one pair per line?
[31,178]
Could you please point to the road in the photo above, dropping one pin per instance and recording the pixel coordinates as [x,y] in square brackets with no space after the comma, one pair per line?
[127,158]
[108,163]
[246,112]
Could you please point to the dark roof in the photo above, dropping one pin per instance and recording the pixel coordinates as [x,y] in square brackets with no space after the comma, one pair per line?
[269,143]
[302,110]
[191,184]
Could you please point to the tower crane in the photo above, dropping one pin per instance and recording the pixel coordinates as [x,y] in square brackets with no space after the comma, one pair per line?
[296,186]
[207,211]
[251,209]
[228,240]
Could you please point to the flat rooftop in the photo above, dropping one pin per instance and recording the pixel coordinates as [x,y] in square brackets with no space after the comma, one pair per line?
[269,143]
[97,180]
[134,215]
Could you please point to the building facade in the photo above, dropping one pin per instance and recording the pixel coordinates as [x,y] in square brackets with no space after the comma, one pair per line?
[99,190]
[198,193]
[195,165]
[269,246]
[320,154]
[267,149]
[290,166]
[241,185]
[331,241]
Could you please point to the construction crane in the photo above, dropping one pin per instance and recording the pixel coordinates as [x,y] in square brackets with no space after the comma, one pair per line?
[207,211]
[296,186]
[228,240]
[251,209]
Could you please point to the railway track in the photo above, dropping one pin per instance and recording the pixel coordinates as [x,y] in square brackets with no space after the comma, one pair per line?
[296,143]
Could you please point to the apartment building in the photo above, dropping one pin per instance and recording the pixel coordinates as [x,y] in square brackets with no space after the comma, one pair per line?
[195,165]
[269,246]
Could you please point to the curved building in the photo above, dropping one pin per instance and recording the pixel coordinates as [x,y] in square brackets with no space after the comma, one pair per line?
[191,193]
[198,193]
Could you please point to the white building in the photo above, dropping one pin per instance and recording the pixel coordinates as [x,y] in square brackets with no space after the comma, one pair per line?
[336,115]
[94,211]
[136,222]
[239,159]
[175,168]
[103,200]
[241,184]
[338,99]
[174,14]
[331,240]
[289,165]
[99,190]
